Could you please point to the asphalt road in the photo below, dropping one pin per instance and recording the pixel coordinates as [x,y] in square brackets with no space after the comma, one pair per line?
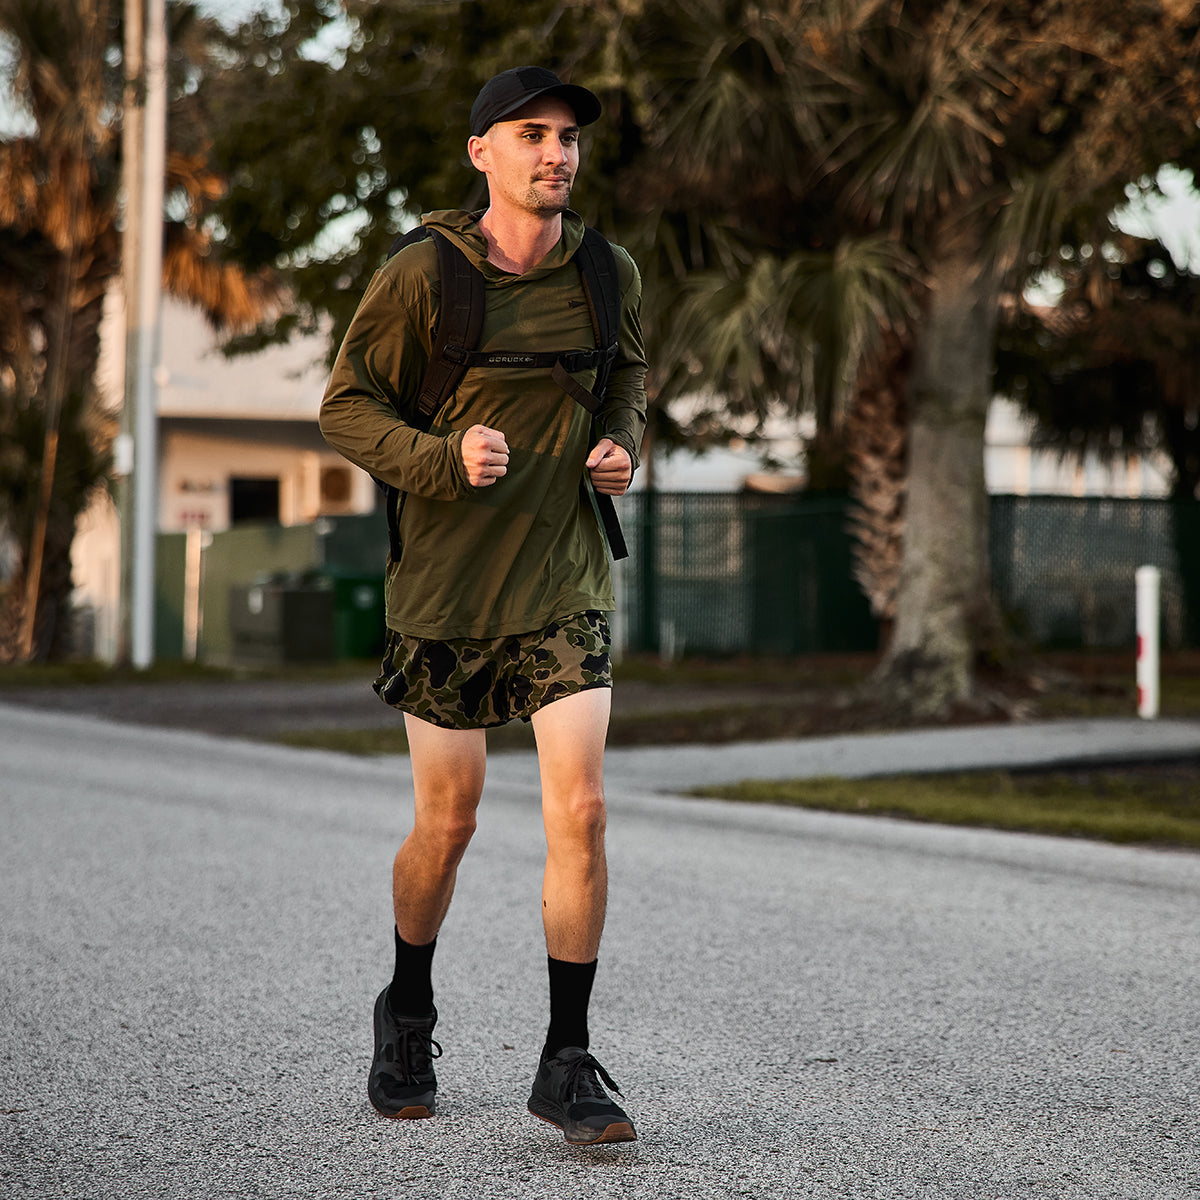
[796,1004]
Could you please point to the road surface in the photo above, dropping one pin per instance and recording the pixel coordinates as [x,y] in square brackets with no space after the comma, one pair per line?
[796,1004]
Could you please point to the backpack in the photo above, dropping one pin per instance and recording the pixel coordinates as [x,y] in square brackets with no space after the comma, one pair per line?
[456,336]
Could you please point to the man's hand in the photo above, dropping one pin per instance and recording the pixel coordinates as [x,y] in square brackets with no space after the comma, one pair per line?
[610,467]
[484,455]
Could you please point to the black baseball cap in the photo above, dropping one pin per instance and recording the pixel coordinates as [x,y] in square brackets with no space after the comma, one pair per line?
[506,92]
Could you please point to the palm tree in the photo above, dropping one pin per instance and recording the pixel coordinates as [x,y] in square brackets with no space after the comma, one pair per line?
[977,128]
[877,453]
[807,137]
[961,133]
[60,254]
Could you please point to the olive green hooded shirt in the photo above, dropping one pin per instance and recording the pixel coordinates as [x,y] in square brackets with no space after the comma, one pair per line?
[528,549]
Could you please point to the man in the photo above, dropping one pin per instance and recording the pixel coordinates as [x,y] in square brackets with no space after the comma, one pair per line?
[498,581]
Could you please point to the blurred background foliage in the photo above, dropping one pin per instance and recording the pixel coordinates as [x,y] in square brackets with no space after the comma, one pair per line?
[837,206]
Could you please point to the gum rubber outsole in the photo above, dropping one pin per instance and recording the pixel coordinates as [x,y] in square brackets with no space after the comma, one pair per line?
[618,1131]
[414,1112]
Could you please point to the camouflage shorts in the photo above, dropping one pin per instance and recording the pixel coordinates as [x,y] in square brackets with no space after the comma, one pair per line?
[479,683]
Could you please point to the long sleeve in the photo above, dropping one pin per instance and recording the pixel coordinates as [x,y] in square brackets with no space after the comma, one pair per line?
[374,385]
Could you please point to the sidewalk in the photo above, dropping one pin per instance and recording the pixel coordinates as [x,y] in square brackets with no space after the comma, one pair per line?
[264,708]
[982,747]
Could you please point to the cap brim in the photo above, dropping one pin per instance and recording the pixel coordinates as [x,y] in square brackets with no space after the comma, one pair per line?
[584,104]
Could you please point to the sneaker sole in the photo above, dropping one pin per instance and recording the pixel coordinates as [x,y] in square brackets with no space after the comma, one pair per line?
[414,1112]
[618,1131]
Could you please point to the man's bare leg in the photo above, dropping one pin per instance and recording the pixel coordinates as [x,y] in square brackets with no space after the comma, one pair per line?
[570,739]
[567,1088]
[448,770]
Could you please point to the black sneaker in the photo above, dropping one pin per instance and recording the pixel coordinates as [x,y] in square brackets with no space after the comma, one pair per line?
[567,1093]
[402,1083]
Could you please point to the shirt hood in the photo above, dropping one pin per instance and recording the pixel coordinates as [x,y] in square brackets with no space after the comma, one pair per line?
[462,228]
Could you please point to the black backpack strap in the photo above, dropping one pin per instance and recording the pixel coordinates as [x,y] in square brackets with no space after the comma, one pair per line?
[417,234]
[602,290]
[459,324]
[459,320]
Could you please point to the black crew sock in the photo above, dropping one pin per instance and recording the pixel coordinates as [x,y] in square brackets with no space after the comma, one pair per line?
[410,993]
[570,991]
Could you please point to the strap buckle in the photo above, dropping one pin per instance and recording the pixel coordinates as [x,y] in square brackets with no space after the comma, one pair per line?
[574,361]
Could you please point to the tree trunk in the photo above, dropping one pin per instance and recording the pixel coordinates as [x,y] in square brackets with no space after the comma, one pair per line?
[943,604]
[877,436]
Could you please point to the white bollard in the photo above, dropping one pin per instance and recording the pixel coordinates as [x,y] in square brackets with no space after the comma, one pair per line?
[1147,580]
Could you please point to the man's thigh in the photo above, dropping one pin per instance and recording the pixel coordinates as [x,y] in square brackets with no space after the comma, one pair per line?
[448,767]
[570,734]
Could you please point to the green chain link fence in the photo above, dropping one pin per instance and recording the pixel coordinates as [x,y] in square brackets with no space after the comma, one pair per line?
[772,574]
[746,573]
[752,573]
[1063,567]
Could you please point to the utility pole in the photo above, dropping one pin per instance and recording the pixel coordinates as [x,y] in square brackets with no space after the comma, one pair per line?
[132,149]
[148,335]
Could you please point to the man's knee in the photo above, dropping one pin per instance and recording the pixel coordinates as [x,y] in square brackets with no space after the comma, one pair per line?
[578,820]
[443,836]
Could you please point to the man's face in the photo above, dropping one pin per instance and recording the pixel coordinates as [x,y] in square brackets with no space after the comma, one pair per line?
[531,157]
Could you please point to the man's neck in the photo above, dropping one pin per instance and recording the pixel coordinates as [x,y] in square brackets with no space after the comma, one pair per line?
[517,242]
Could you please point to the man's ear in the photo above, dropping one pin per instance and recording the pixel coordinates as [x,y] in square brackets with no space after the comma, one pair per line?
[477,150]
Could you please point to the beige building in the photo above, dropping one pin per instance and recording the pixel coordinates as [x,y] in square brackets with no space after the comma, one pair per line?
[237,442]
[1012,465]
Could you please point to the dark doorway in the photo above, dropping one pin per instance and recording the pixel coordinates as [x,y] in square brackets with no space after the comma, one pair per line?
[253,500]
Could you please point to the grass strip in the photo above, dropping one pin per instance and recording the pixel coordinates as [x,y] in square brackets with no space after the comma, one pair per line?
[390,739]
[87,673]
[710,727]
[1105,805]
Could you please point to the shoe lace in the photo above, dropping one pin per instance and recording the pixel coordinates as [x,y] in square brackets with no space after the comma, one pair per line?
[414,1050]
[581,1082]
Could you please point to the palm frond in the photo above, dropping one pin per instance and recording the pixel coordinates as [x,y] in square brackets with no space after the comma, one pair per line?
[1030,221]
[921,97]
[729,103]
[231,300]
[791,330]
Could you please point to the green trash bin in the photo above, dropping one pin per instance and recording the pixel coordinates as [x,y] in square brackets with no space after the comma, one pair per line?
[358,613]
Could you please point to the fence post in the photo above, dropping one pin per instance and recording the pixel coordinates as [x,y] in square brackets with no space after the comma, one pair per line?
[648,571]
[1147,584]
[193,565]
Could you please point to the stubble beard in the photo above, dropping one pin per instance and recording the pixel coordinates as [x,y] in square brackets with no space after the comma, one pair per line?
[548,204]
